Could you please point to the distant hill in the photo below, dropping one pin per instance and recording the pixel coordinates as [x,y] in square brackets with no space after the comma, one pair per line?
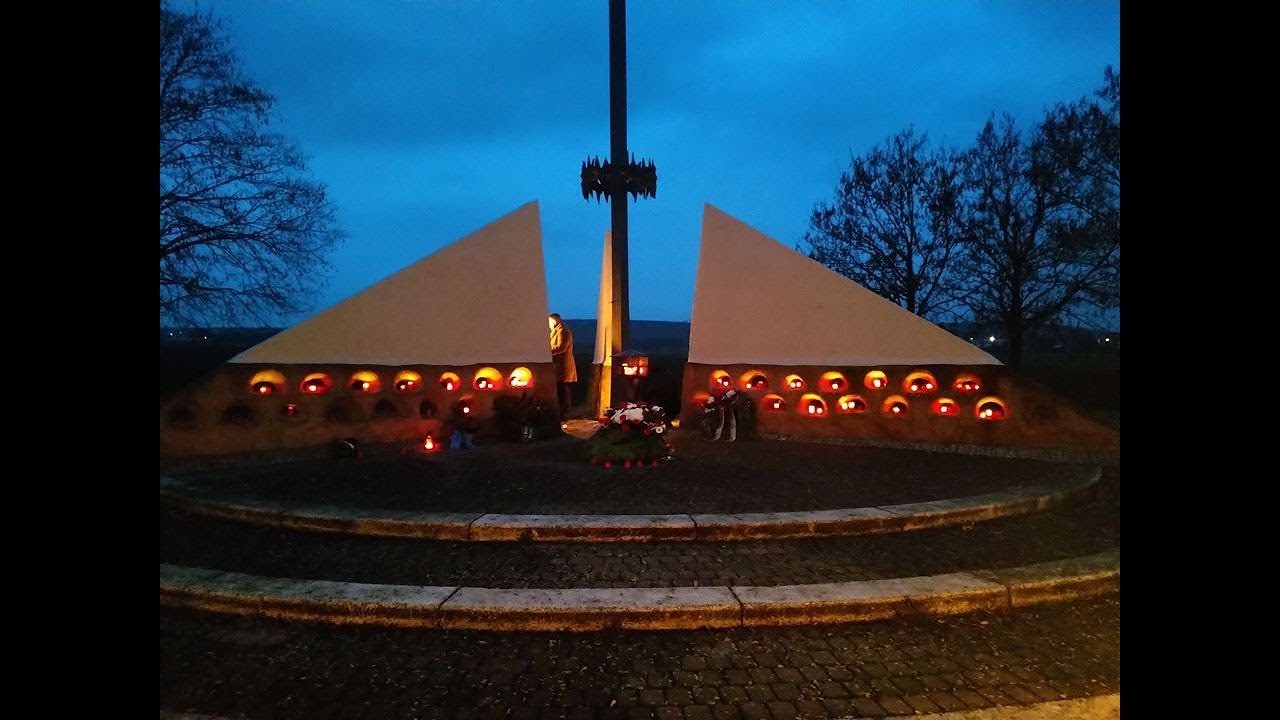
[655,337]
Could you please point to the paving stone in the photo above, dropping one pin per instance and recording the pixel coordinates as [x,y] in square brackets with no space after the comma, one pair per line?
[869,708]
[921,703]
[550,478]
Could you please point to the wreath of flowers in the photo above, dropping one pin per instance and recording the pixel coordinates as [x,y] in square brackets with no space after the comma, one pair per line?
[730,405]
[633,434]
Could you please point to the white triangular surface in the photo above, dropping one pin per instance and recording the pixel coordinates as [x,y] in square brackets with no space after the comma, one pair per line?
[604,307]
[480,299]
[757,301]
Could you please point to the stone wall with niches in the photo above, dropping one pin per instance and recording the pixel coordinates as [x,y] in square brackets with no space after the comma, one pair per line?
[246,407]
[984,405]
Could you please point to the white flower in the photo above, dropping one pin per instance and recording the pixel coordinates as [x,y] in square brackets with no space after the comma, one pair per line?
[659,429]
[657,408]
[634,414]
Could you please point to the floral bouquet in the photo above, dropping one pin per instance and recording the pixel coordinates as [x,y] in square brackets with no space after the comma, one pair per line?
[526,418]
[729,410]
[633,434]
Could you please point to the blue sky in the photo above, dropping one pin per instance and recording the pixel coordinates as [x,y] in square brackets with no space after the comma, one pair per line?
[427,119]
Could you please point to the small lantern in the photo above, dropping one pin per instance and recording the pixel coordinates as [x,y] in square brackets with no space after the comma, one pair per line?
[631,363]
[852,404]
[919,383]
[521,377]
[315,384]
[408,381]
[429,444]
[946,406]
[895,406]
[991,409]
[266,382]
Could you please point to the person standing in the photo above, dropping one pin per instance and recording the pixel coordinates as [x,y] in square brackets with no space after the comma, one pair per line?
[562,356]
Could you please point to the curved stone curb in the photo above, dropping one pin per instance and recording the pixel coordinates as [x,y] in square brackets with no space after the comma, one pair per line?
[502,527]
[1098,707]
[680,608]
[1061,455]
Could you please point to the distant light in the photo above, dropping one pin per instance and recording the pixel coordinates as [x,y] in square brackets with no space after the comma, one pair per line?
[877,382]
[170,334]
[896,408]
[942,408]
[364,384]
[466,409]
[991,339]
[1106,340]
[429,443]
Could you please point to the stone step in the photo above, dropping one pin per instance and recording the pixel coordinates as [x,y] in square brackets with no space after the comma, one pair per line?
[592,609]
[499,527]
[1081,527]
[220,665]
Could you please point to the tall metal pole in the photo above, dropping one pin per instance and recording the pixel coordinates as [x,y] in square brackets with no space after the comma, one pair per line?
[618,182]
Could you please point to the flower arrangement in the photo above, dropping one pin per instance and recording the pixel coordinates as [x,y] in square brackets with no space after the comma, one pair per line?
[728,410]
[634,434]
[526,418]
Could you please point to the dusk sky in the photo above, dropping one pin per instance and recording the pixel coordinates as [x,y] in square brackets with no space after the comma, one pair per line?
[427,119]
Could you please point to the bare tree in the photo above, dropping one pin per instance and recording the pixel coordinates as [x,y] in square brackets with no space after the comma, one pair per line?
[1081,142]
[892,226]
[244,232]
[1033,254]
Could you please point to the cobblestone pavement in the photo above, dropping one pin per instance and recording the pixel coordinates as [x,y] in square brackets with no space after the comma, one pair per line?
[552,477]
[1080,528]
[261,669]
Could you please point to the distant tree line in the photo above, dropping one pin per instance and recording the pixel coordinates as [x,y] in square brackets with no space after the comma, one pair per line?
[1021,229]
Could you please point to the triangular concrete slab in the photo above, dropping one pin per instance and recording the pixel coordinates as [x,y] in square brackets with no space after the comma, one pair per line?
[481,299]
[758,301]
